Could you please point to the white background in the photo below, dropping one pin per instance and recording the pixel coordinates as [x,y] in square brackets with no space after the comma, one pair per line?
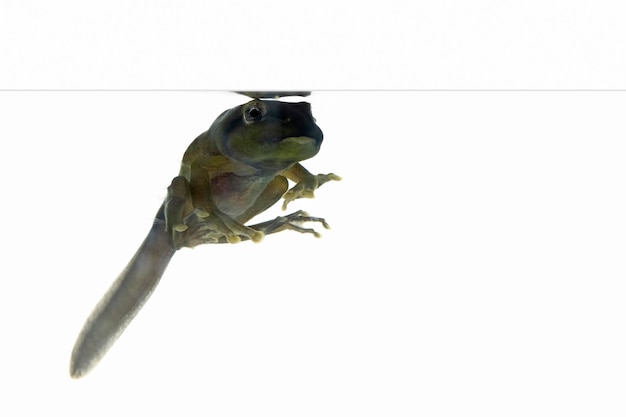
[475,264]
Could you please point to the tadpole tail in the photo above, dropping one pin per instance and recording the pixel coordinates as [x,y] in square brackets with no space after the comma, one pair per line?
[122,301]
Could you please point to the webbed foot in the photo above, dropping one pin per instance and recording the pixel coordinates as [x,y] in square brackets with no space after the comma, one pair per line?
[200,231]
[216,227]
[293,222]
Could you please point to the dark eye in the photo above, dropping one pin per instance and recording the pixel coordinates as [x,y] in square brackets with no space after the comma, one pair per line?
[254,112]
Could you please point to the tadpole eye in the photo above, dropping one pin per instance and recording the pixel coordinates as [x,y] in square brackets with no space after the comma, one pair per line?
[254,112]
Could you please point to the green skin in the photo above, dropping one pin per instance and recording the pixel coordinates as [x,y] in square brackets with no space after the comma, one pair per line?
[229,174]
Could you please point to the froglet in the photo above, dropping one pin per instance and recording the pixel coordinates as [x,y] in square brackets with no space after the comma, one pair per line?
[229,174]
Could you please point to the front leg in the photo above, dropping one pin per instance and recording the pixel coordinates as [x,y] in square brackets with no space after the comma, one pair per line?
[306,183]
